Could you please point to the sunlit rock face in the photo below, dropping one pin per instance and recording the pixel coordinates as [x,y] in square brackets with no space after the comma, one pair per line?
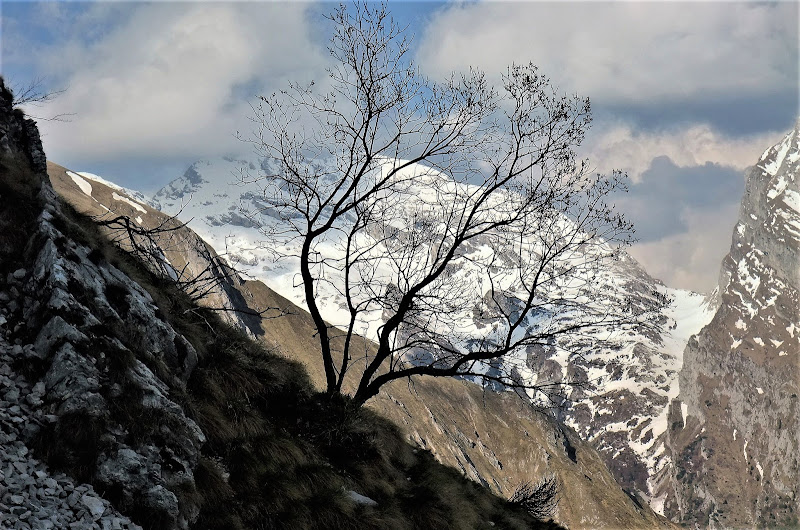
[733,432]
[89,430]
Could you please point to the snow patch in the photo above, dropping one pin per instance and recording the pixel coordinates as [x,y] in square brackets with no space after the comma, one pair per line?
[772,167]
[760,470]
[758,341]
[759,390]
[141,197]
[684,412]
[792,200]
[81,183]
[117,197]
[780,186]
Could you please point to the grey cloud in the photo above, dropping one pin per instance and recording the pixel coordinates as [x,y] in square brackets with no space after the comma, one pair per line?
[667,195]
[173,80]
[625,52]
[731,115]
[691,259]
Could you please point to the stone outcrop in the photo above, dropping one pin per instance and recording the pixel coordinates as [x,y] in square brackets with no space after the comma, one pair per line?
[80,346]
[734,435]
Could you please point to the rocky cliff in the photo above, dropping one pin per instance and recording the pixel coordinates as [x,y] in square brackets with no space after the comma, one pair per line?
[734,435]
[73,390]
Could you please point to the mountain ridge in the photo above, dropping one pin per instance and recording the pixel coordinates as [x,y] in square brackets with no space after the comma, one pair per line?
[734,426]
[645,375]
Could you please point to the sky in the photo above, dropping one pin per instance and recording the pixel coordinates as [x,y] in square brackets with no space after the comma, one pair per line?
[685,96]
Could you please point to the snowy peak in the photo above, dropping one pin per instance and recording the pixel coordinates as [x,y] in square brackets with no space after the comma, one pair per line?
[770,212]
[204,183]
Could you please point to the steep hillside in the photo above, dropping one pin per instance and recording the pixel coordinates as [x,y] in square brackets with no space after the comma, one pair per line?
[124,405]
[493,439]
[734,434]
[629,378]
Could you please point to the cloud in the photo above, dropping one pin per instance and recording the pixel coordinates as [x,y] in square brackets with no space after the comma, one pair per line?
[683,217]
[625,52]
[621,146]
[691,259]
[661,203]
[173,80]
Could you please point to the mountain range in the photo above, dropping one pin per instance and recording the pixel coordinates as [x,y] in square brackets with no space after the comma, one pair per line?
[696,420]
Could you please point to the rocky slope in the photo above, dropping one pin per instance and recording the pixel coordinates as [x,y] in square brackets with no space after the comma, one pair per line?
[734,435]
[629,379]
[56,365]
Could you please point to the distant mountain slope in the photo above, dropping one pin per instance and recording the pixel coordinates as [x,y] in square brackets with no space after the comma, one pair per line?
[630,385]
[493,438]
[734,435]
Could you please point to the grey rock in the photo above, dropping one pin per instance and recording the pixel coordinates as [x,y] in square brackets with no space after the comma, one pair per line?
[361,499]
[55,331]
[161,499]
[95,505]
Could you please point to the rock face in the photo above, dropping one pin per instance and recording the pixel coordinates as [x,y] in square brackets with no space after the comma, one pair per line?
[734,435]
[80,346]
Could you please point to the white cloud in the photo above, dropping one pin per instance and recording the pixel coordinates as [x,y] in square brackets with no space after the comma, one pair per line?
[691,259]
[169,79]
[622,147]
[624,52]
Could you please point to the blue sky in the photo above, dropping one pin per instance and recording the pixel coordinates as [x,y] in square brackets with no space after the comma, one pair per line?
[685,95]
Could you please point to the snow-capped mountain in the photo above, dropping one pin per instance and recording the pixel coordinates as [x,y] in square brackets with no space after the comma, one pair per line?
[733,432]
[629,383]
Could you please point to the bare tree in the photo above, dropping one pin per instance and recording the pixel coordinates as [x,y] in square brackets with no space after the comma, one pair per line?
[540,499]
[203,272]
[452,218]
[33,94]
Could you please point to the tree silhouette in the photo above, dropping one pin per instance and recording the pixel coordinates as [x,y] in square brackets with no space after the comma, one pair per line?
[452,218]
